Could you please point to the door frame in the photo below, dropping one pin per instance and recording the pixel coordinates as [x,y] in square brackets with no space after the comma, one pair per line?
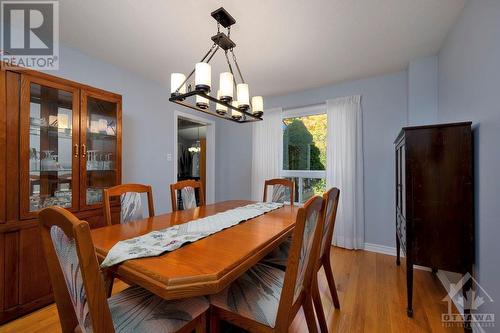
[210,154]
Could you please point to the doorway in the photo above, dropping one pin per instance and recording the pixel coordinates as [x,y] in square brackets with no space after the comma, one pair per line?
[195,151]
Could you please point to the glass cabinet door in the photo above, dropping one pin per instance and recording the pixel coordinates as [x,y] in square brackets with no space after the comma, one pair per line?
[101,153]
[49,145]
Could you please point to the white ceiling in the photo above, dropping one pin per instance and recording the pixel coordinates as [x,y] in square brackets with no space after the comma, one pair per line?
[282,45]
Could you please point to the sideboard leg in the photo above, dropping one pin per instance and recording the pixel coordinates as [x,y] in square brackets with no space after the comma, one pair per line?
[409,285]
[398,250]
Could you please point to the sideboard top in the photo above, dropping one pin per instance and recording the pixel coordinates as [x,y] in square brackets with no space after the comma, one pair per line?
[411,128]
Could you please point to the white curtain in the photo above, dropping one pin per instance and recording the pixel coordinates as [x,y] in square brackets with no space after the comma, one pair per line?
[267,142]
[345,169]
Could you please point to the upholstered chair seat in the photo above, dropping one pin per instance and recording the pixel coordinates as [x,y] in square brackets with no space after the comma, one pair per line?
[255,295]
[137,310]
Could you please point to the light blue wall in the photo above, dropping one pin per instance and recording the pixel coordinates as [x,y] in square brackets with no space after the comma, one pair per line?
[423,91]
[469,89]
[234,162]
[384,103]
[148,128]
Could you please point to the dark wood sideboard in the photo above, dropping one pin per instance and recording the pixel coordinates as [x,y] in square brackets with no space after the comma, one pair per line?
[435,199]
[60,143]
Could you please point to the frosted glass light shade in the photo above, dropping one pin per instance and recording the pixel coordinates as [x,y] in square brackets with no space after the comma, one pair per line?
[235,114]
[243,95]
[226,86]
[203,76]
[219,108]
[176,79]
[201,102]
[257,105]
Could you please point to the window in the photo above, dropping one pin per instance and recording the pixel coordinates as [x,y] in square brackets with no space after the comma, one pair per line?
[304,150]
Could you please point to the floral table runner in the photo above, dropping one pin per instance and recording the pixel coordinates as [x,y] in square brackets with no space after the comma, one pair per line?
[171,238]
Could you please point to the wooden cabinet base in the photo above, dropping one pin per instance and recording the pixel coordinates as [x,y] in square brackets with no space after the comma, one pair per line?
[23,309]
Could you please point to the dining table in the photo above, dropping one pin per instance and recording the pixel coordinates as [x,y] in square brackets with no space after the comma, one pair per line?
[203,267]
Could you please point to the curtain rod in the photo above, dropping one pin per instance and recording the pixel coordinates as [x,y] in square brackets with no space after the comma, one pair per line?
[303,106]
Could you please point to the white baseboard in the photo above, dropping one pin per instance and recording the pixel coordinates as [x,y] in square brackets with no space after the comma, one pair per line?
[391,251]
[443,278]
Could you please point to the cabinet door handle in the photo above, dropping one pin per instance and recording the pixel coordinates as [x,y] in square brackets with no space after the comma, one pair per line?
[84,150]
[75,150]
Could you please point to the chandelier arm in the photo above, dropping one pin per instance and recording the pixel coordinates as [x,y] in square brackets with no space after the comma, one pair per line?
[237,66]
[212,55]
[192,72]
[230,68]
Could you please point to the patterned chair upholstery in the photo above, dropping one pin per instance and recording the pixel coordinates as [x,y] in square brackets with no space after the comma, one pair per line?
[70,266]
[278,257]
[188,197]
[131,207]
[305,250]
[130,202]
[184,194]
[256,295]
[281,193]
[137,310]
[132,310]
[329,220]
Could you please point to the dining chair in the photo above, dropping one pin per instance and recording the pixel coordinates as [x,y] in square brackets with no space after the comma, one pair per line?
[79,287]
[266,299]
[187,189]
[283,190]
[130,202]
[331,198]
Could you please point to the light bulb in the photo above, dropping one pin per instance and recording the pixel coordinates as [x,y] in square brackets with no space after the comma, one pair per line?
[243,95]
[176,79]
[235,114]
[257,106]
[226,86]
[201,102]
[219,108]
[202,77]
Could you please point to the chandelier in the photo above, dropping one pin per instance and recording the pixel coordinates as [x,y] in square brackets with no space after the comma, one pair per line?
[197,95]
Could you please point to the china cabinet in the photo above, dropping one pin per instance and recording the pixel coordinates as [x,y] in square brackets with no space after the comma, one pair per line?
[60,144]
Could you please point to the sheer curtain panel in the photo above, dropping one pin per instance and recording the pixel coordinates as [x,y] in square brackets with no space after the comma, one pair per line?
[266,150]
[345,169]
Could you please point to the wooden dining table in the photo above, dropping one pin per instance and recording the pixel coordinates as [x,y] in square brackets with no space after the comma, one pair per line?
[203,267]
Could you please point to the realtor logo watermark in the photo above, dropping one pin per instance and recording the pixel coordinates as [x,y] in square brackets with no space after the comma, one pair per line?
[30,34]
[472,300]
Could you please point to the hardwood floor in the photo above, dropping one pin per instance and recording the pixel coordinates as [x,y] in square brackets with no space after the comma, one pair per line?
[372,296]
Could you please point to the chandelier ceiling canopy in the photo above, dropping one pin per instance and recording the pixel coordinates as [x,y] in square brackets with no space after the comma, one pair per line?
[197,94]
